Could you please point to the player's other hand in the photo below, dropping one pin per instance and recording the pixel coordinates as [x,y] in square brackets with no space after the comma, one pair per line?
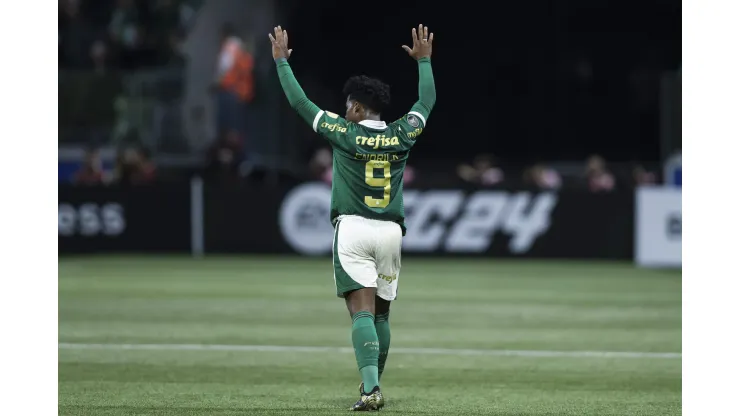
[422,43]
[280,44]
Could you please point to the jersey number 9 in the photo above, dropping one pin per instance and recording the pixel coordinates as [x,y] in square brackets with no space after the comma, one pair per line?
[383,182]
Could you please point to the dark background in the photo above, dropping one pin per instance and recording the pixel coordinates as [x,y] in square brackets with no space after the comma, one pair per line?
[543,84]
[524,80]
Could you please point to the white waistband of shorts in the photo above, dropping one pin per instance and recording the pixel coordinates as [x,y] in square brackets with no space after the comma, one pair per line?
[358,217]
[345,217]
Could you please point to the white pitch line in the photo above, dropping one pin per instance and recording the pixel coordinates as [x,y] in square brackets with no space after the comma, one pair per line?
[415,351]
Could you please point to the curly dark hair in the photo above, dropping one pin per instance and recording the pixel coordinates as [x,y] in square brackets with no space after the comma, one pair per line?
[370,92]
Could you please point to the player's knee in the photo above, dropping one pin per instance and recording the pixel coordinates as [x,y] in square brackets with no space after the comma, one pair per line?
[361,300]
[382,306]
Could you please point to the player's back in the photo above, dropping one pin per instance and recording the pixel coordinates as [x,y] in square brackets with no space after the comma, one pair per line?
[369,162]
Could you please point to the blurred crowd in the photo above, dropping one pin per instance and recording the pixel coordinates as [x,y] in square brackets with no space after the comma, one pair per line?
[100,40]
[226,164]
[123,34]
[128,35]
[133,167]
[485,171]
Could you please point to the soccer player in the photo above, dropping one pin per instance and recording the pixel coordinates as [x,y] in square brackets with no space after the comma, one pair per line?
[366,198]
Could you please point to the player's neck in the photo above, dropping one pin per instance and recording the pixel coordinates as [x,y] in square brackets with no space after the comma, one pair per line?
[372,117]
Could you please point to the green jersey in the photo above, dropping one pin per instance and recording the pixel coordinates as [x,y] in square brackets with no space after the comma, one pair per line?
[370,156]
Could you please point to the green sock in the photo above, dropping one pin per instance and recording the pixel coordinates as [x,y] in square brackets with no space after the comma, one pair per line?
[383,328]
[365,342]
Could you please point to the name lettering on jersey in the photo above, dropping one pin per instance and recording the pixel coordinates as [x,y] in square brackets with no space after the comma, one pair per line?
[414,133]
[377,156]
[333,127]
[378,141]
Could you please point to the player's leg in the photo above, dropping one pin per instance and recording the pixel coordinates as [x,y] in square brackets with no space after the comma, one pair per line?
[361,306]
[383,329]
[355,276]
[389,266]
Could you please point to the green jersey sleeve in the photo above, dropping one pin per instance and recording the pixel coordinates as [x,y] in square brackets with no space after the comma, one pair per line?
[332,127]
[328,124]
[414,122]
[293,91]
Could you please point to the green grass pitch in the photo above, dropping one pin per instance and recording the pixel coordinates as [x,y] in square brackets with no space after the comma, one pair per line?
[473,337]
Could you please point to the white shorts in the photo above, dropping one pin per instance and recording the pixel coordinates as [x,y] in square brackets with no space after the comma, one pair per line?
[367,253]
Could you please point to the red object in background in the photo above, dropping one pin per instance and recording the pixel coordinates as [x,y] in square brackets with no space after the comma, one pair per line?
[548,179]
[599,178]
[91,172]
[491,176]
[88,177]
[602,182]
[409,174]
[238,77]
[327,175]
[145,174]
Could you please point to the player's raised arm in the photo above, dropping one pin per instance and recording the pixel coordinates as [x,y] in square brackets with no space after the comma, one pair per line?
[421,50]
[293,91]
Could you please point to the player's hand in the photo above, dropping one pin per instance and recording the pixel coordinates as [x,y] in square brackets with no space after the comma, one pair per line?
[422,46]
[280,44]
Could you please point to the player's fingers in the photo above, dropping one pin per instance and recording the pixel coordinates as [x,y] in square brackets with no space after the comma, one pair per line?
[285,37]
[431,37]
[271,38]
[279,35]
[406,48]
[426,33]
[290,51]
[414,37]
[421,32]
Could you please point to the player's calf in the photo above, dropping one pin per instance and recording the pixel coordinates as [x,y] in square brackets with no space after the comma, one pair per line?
[383,329]
[364,337]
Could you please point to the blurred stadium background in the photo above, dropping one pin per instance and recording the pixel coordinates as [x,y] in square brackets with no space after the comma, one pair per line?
[543,203]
